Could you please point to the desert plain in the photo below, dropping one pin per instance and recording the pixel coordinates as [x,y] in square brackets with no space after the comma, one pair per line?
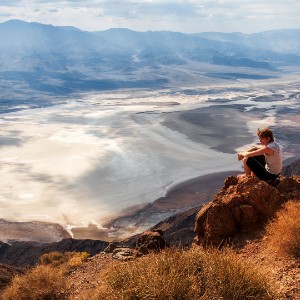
[94,163]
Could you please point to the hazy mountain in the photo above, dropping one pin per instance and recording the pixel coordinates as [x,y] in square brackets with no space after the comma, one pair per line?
[37,58]
[26,46]
[282,41]
[275,45]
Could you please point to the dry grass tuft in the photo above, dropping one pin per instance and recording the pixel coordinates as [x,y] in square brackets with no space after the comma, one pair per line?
[41,283]
[77,259]
[46,281]
[283,234]
[177,274]
[67,259]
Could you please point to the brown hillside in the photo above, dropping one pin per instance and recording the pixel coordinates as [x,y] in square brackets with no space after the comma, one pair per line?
[7,272]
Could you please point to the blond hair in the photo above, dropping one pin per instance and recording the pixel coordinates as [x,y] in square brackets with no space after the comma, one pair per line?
[265,133]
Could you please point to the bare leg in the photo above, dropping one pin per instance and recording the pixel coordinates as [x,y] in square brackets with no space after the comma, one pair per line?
[246,168]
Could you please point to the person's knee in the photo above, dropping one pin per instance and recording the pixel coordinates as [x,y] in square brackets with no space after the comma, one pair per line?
[248,160]
[245,160]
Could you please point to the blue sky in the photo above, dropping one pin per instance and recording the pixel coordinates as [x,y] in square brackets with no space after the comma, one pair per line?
[188,16]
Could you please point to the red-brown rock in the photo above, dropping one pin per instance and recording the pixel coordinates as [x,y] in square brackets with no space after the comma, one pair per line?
[241,205]
[150,241]
[216,227]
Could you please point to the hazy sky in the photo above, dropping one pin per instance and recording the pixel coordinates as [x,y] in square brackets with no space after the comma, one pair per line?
[141,15]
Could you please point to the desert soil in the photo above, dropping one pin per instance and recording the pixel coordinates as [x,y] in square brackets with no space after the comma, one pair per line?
[283,273]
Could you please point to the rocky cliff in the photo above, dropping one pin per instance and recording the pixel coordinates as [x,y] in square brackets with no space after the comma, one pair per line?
[179,228]
[242,205]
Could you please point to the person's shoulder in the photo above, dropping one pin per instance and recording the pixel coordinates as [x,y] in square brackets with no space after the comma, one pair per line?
[274,145]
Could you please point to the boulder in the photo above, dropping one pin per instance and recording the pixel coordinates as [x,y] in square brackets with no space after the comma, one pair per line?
[110,248]
[124,253]
[150,241]
[242,205]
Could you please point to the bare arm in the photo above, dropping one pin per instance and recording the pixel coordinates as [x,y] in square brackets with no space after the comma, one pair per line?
[253,148]
[259,151]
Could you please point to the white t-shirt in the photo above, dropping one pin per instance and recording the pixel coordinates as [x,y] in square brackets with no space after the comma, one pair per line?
[274,162]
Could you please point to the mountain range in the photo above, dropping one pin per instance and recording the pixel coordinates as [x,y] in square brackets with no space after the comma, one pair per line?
[38,59]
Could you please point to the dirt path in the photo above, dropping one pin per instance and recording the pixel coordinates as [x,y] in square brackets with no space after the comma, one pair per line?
[82,280]
[284,273]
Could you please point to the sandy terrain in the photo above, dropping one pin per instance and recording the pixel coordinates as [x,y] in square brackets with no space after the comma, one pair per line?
[89,160]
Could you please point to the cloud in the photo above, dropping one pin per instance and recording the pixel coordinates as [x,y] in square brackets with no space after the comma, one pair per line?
[142,15]
[5,15]
[9,3]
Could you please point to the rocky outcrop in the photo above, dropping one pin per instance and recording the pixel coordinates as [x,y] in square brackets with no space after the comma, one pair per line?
[119,252]
[178,229]
[242,205]
[150,241]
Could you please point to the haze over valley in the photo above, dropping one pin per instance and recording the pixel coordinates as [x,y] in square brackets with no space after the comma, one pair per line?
[95,125]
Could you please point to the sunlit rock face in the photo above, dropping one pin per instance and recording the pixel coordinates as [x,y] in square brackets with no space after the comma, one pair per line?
[242,205]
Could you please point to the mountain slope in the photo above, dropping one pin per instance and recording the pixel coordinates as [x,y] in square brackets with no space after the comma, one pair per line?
[39,63]
[284,41]
[25,40]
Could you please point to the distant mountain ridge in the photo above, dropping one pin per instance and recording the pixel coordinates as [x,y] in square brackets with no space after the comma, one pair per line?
[38,59]
[69,46]
[284,40]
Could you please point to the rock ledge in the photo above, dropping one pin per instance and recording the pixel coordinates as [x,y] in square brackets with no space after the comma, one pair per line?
[243,204]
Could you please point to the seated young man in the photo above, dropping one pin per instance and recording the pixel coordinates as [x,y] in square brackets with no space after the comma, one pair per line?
[263,161]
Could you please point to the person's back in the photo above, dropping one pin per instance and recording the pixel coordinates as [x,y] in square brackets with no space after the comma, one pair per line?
[274,162]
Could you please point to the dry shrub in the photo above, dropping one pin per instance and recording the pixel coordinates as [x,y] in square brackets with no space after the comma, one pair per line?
[77,259]
[177,274]
[67,259]
[46,281]
[41,283]
[283,233]
[226,276]
[54,259]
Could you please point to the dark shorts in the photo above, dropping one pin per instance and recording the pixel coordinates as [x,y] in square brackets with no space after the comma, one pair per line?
[257,165]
